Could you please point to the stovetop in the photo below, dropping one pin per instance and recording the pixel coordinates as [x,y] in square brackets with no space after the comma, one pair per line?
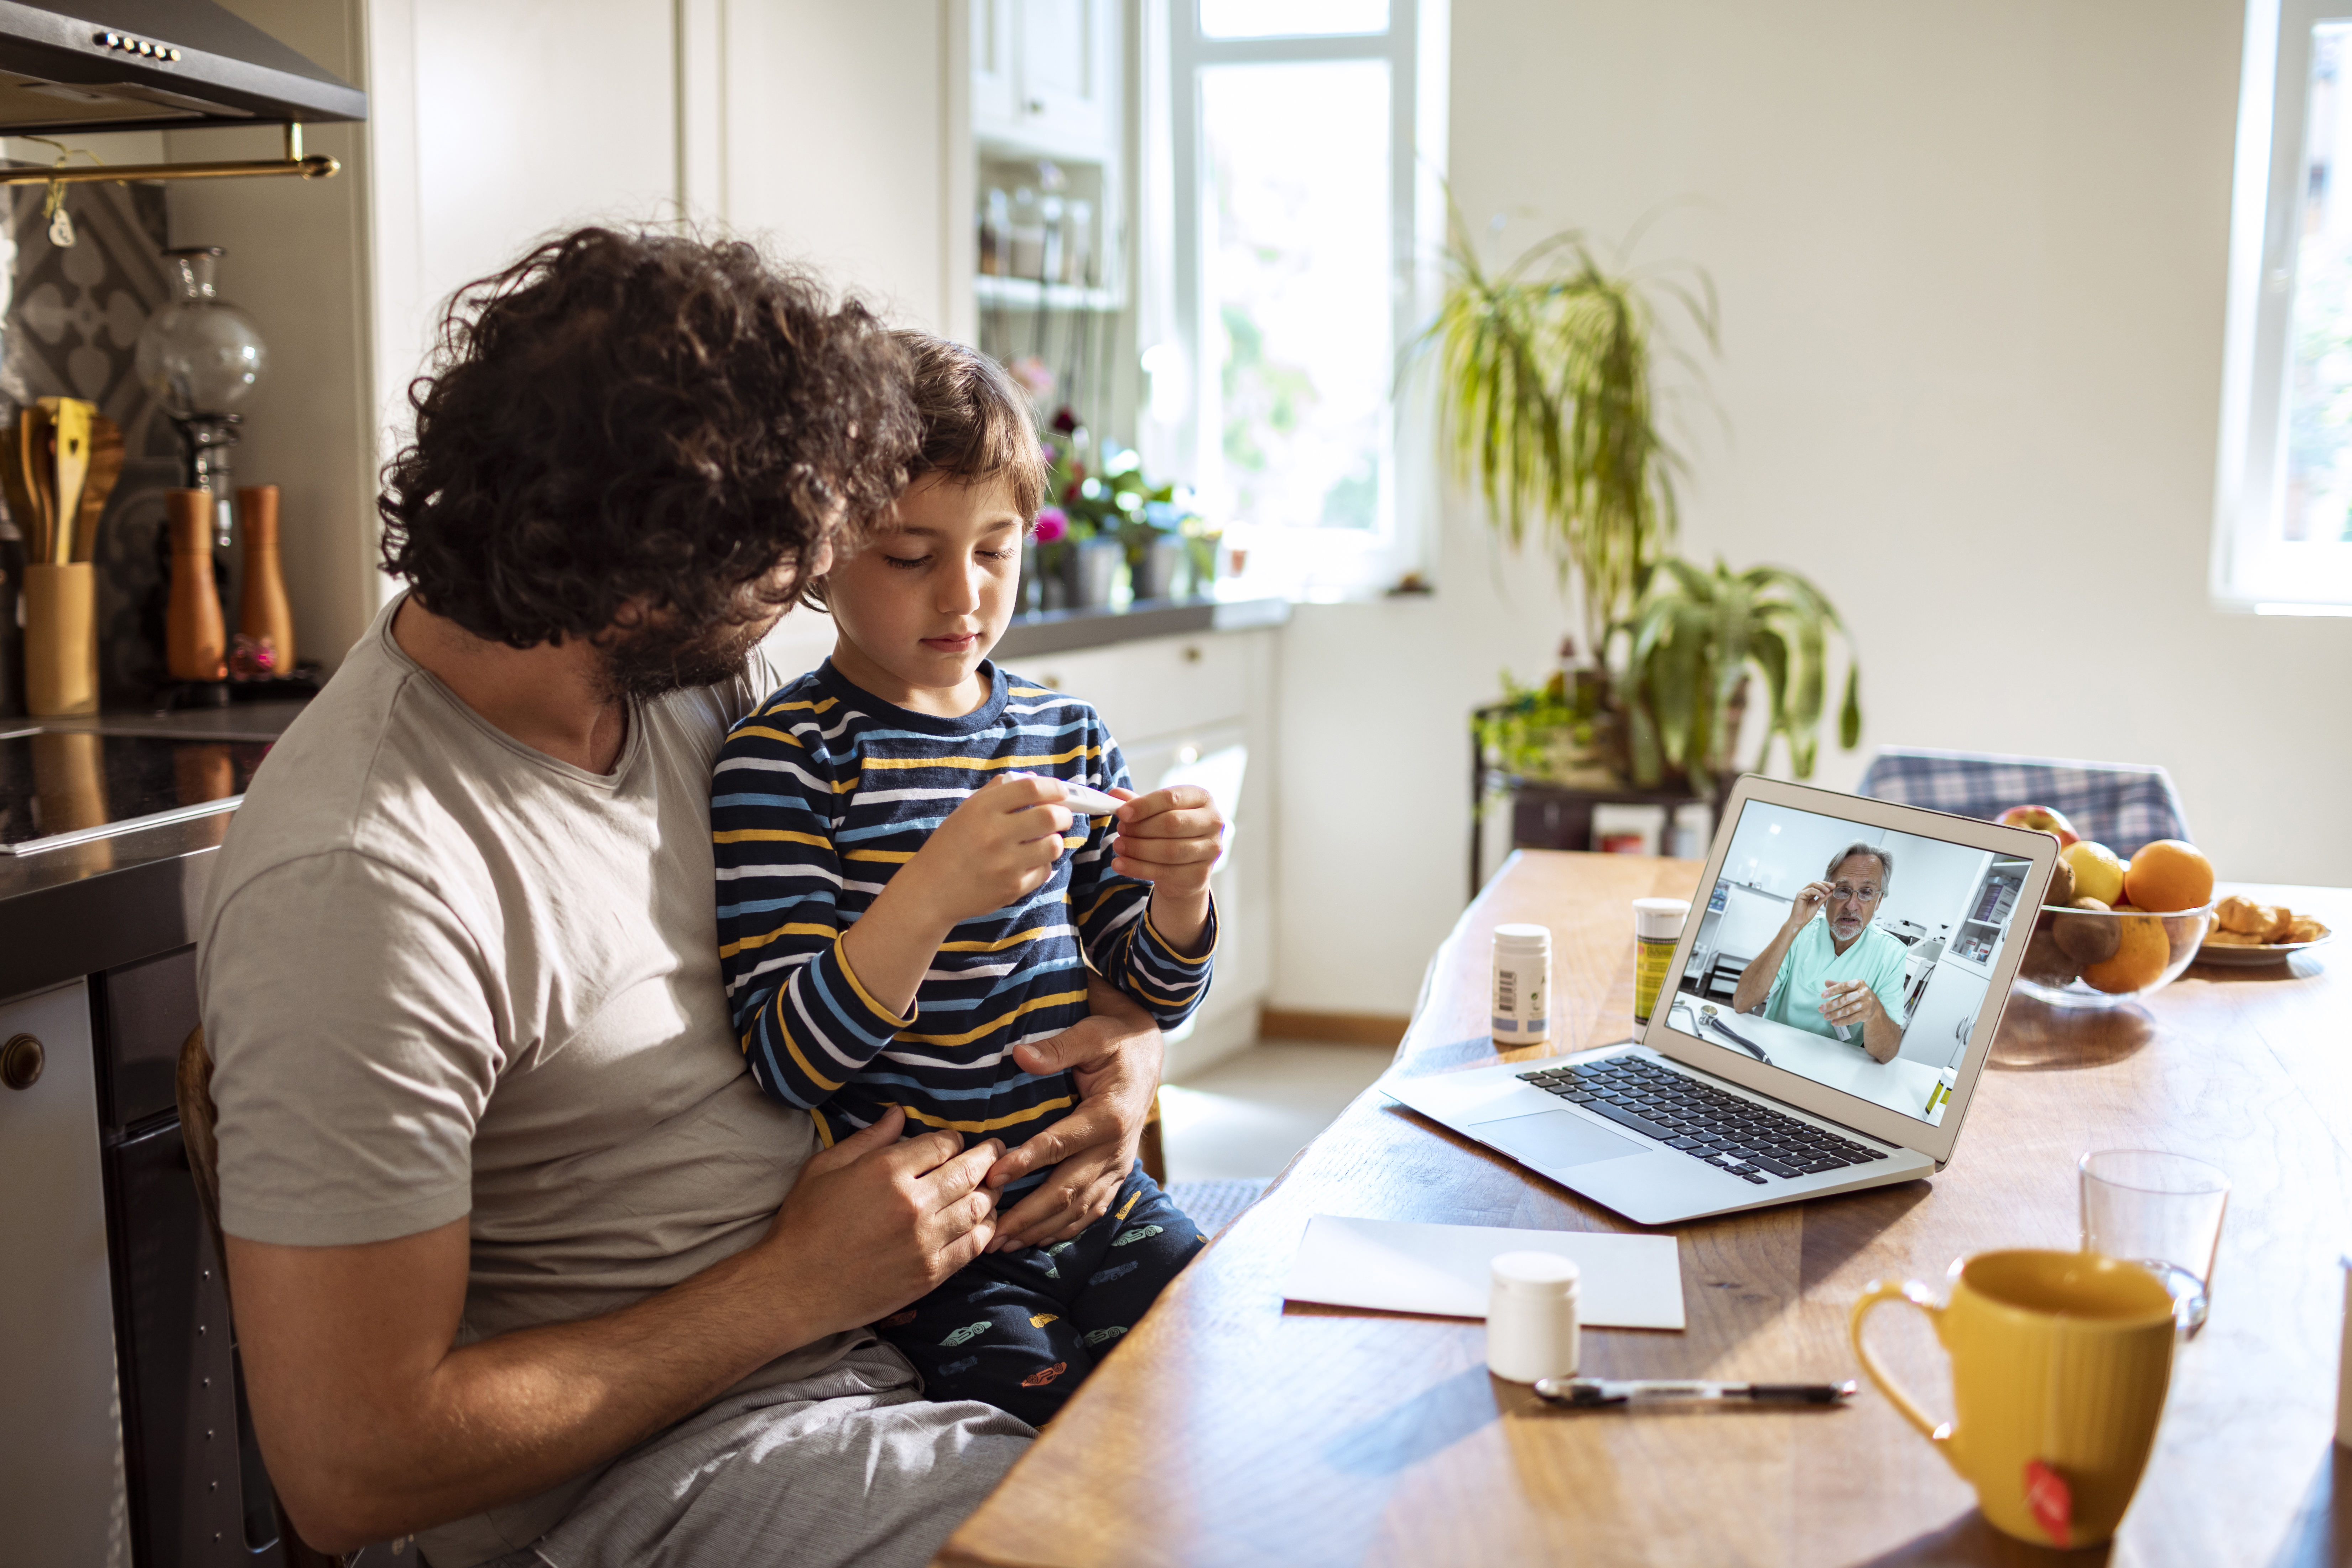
[69,786]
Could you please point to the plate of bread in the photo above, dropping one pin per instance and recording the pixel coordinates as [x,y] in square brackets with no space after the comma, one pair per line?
[2245,932]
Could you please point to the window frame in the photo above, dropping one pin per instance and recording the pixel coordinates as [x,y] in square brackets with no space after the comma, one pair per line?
[1346,563]
[2252,569]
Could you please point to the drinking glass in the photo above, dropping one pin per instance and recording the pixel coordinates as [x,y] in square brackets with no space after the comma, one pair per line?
[2161,1211]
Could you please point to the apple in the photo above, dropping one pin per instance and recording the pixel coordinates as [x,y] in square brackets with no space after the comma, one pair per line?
[2041,819]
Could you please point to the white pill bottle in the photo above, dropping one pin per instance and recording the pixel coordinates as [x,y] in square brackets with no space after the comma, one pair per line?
[1533,1305]
[1522,993]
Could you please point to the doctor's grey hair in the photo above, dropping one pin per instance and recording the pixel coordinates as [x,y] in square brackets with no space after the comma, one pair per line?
[1885,856]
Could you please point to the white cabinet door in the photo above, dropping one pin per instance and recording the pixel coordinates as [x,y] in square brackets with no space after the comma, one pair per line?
[61,1485]
[1937,1031]
[1066,67]
[995,94]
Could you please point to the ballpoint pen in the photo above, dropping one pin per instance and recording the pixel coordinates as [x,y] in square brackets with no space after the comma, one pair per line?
[1597,1391]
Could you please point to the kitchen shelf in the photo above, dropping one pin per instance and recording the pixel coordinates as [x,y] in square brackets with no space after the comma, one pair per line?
[1027,293]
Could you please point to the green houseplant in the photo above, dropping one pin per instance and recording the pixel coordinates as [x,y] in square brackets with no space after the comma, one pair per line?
[1690,646]
[1544,403]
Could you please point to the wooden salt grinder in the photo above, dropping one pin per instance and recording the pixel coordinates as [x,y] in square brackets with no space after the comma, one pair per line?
[263,617]
[195,641]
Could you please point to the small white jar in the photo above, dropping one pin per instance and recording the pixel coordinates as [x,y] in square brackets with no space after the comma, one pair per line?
[1532,1329]
[1522,990]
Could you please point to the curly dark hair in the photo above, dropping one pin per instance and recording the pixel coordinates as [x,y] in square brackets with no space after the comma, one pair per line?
[643,418]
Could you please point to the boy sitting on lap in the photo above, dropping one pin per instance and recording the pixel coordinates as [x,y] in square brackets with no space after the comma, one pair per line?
[898,906]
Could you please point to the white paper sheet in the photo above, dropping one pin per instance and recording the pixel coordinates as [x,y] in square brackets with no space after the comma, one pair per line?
[1628,1281]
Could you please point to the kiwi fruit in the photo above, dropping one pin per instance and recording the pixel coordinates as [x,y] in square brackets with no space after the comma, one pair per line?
[2062,884]
[2086,938]
[2047,964]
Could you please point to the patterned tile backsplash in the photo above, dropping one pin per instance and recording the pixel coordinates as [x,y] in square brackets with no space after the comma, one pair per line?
[70,328]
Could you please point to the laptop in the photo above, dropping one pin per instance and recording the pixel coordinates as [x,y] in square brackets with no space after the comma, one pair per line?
[1740,1093]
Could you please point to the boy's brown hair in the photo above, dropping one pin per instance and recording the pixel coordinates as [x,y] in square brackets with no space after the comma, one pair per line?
[976,424]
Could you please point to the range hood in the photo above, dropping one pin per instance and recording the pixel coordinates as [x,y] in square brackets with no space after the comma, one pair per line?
[140,65]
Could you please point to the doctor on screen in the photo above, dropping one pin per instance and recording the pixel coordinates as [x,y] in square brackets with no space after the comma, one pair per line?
[1818,974]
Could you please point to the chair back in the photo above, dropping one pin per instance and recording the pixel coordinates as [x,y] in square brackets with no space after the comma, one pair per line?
[2120,805]
[194,1090]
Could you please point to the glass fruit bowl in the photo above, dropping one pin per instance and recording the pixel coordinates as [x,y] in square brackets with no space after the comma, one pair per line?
[2093,958]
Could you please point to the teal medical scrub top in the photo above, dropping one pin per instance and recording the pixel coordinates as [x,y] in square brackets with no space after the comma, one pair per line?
[1813,961]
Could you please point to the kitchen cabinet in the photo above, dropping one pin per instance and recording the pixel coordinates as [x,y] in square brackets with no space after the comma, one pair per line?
[62,1491]
[1199,709]
[1044,77]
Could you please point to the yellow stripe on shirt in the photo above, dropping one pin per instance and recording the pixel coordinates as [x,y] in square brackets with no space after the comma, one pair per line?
[994,1025]
[772,732]
[797,928]
[980,764]
[770,836]
[994,1123]
[792,1047]
[1033,934]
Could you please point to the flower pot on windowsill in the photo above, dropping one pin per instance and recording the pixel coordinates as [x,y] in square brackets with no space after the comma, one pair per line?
[1093,572]
[1153,568]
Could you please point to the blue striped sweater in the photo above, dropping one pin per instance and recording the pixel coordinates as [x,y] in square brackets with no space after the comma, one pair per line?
[817,798]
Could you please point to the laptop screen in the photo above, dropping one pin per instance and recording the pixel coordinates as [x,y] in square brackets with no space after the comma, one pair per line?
[1854,955]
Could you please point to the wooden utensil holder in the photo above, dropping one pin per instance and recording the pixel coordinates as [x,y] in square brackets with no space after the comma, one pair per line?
[61,639]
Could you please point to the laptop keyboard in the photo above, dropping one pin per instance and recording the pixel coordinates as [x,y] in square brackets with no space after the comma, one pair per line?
[1751,1141]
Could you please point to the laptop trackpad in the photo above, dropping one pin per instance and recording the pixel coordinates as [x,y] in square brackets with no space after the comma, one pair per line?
[1554,1138]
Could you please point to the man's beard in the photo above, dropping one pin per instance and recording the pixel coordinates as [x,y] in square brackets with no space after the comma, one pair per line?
[657,659]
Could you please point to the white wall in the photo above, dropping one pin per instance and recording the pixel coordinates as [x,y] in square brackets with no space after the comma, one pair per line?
[814,127]
[1971,264]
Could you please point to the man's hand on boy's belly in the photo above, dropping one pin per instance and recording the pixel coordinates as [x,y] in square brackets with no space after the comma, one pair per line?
[1114,1057]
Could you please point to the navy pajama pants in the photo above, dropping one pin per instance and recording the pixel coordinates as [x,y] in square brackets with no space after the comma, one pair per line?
[1021,1329]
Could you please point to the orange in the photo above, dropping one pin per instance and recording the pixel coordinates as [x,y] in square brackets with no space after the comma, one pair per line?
[2140,957]
[2169,875]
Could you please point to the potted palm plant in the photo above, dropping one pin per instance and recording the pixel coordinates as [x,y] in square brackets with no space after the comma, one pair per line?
[1544,372]
[1690,648]
[1544,397]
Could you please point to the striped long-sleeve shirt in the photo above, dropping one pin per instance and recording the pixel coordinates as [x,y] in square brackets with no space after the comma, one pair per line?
[817,798]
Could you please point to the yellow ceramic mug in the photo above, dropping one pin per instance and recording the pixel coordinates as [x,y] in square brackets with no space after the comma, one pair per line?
[2060,1362]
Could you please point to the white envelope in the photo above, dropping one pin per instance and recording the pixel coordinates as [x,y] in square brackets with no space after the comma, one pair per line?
[1627,1281]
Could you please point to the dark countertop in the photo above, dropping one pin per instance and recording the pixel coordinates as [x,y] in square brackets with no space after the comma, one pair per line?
[73,911]
[1062,631]
[89,907]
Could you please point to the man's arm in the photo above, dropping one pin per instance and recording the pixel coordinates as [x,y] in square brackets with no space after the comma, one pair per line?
[1756,980]
[372,1425]
[1115,1056]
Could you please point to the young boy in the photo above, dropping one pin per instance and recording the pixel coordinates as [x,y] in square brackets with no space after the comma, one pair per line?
[898,906]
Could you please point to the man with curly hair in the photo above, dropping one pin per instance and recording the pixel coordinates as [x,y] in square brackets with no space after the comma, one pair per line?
[524,1263]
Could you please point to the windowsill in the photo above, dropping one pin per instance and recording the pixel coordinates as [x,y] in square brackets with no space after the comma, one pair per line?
[1062,631]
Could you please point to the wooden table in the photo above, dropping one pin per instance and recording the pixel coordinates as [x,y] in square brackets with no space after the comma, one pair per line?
[1231,1428]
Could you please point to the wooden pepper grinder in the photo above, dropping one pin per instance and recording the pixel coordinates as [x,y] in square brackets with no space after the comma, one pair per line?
[195,642]
[264,622]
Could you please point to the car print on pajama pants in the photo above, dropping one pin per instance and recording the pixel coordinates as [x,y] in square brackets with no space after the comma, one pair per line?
[1021,1329]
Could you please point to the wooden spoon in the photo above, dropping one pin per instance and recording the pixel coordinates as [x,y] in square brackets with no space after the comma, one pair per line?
[32,451]
[105,457]
[69,467]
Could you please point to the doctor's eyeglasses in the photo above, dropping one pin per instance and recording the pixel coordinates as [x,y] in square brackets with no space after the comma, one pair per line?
[1847,893]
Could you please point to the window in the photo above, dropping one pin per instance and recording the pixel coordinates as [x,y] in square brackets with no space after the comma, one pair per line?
[1300,184]
[2283,529]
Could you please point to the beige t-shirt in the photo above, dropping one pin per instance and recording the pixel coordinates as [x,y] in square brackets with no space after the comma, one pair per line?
[445,975]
